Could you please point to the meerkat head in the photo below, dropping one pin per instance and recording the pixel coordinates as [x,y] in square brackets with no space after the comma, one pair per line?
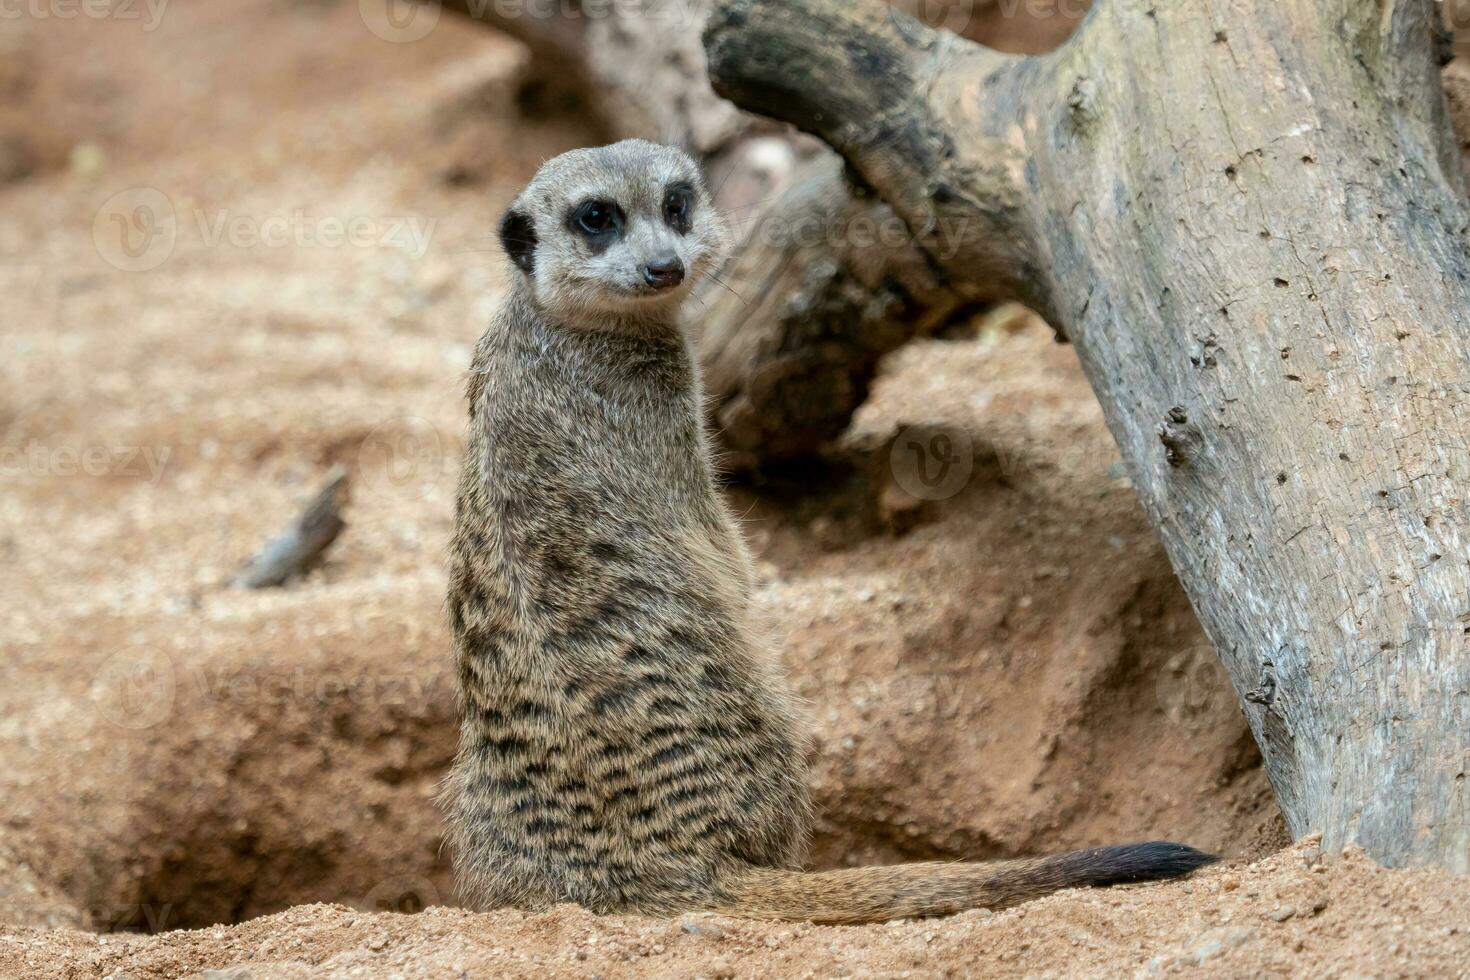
[613,234]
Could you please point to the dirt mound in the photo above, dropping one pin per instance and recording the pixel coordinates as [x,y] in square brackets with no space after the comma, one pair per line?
[996,655]
[1289,915]
[1000,663]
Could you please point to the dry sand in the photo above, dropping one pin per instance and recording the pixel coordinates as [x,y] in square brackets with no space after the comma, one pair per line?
[1288,915]
[1008,670]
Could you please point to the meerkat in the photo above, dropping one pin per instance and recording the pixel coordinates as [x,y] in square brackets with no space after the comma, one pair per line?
[627,742]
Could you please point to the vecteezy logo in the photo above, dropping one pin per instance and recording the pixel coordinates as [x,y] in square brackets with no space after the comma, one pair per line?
[932,462]
[135,688]
[408,894]
[401,458]
[1189,684]
[399,21]
[135,230]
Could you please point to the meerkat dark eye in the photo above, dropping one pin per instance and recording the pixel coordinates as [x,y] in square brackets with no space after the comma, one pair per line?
[596,219]
[678,203]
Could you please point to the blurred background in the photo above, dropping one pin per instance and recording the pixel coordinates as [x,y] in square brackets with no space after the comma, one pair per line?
[246,242]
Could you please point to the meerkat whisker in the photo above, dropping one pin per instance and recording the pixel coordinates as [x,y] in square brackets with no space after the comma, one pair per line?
[727,286]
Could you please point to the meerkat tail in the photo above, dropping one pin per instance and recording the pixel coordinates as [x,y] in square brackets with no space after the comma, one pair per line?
[878,894]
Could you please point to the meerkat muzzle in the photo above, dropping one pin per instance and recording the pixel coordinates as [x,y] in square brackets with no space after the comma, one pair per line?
[664,273]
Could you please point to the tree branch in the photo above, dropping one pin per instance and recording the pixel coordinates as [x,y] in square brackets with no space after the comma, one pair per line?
[1249,218]
[884,97]
[300,545]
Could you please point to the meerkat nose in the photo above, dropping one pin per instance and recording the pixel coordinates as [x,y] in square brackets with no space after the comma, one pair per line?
[664,272]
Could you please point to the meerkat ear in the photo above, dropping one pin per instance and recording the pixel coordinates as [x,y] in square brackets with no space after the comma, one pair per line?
[518,238]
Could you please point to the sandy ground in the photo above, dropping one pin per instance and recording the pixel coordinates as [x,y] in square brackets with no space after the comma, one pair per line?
[1288,916]
[251,242]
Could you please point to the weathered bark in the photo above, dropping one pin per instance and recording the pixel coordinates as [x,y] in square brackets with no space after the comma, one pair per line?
[823,282]
[1249,218]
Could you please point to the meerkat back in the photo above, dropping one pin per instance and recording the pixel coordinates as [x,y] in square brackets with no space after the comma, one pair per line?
[624,740]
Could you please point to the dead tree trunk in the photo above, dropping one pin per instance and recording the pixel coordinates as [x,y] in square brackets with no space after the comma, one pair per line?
[1249,218]
[824,281]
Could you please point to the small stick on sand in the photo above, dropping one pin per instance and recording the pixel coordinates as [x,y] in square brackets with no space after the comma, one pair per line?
[298,547]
